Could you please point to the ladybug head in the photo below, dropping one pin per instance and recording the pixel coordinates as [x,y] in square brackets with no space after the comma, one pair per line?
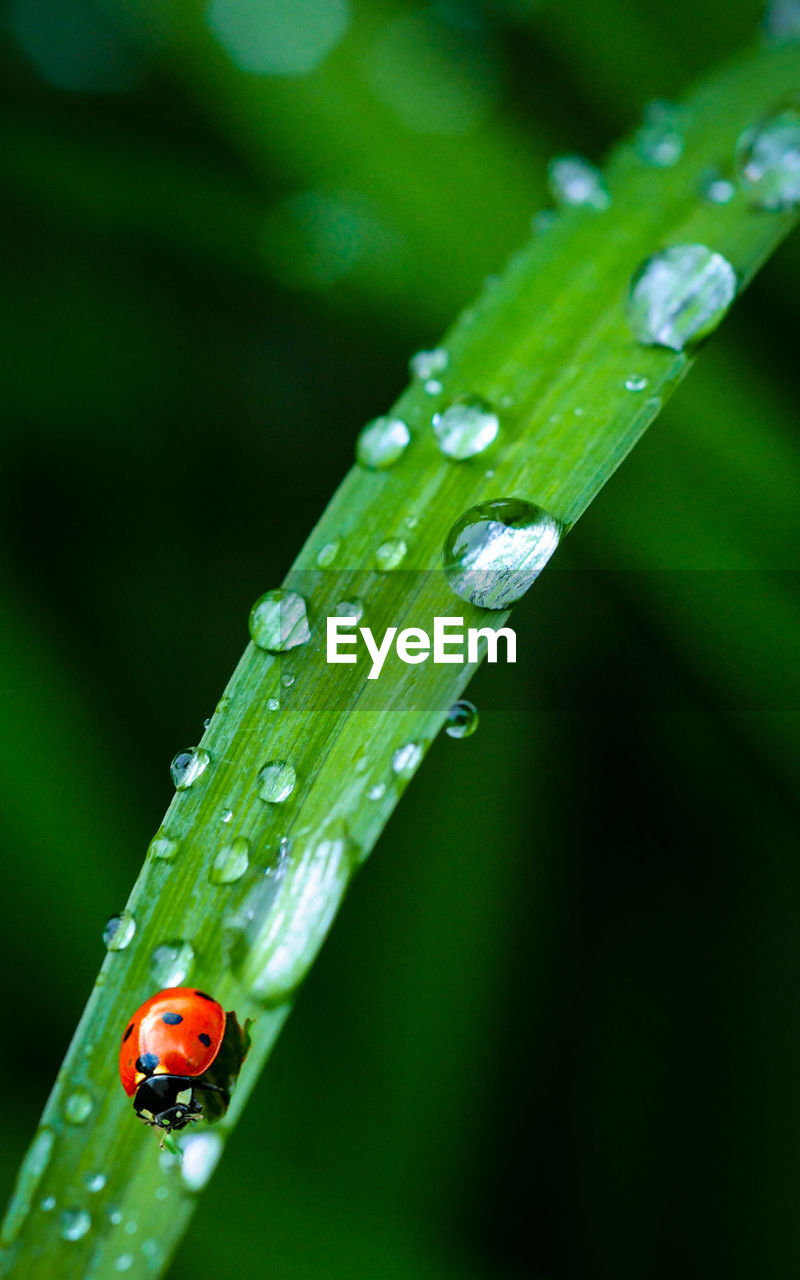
[167,1101]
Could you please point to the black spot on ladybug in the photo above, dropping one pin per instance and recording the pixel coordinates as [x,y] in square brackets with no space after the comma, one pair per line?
[204,1039]
[171,1019]
[203,995]
[147,1063]
[127,1033]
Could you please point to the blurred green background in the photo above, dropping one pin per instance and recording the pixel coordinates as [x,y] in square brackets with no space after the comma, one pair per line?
[555,1030]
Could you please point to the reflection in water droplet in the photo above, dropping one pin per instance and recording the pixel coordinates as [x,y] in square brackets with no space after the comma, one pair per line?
[328,553]
[188,766]
[171,963]
[496,550]
[201,1153]
[287,679]
[278,37]
[466,428]
[226,816]
[382,443]
[433,387]
[278,621]
[95,1182]
[768,161]
[574,181]
[48,1204]
[462,719]
[377,792]
[74,1224]
[635,382]
[391,554]
[78,1106]
[680,295]
[231,862]
[426,364]
[350,609]
[406,759]
[28,1182]
[659,140]
[276,781]
[163,848]
[119,931]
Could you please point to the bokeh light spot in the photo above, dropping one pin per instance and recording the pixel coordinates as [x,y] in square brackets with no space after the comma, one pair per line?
[278,37]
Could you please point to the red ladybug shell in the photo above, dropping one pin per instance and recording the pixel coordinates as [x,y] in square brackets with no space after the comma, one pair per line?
[177,1032]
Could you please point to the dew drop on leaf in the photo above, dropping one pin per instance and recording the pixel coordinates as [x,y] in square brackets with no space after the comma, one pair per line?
[119,931]
[276,781]
[328,553]
[573,181]
[163,848]
[462,719]
[679,295]
[768,161]
[496,550]
[78,1107]
[427,364]
[278,621]
[350,609]
[382,443]
[231,862]
[659,140]
[406,759]
[390,554]
[171,963]
[188,766]
[75,1223]
[466,428]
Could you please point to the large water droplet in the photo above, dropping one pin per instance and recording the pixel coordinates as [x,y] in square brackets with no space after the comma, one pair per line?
[201,1153]
[119,931]
[427,364]
[78,1106]
[163,848]
[381,443]
[95,1182]
[231,862]
[574,181]
[171,963]
[278,621]
[328,553]
[659,140]
[390,554]
[28,1182]
[496,550]
[187,767]
[462,719]
[466,428]
[276,781]
[406,759]
[350,609]
[768,161]
[74,1224]
[680,295]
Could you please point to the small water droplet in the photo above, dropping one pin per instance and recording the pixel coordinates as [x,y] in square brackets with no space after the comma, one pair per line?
[150,1248]
[412,522]
[119,931]
[659,140]
[95,1182]
[377,792]
[231,862]
[48,1204]
[115,1217]
[382,443]
[278,621]
[74,1224]
[124,1262]
[171,962]
[768,161]
[680,295]
[188,766]
[276,781]
[287,679]
[350,609]
[226,816]
[390,554]
[162,1193]
[426,364]
[466,428]
[433,387]
[131,1227]
[462,719]
[201,1152]
[163,848]
[574,181]
[496,550]
[715,188]
[782,22]
[78,1106]
[328,553]
[406,759]
[635,382]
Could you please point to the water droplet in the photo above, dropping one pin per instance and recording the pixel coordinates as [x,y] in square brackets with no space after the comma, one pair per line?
[433,387]
[78,1107]
[715,188]
[390,554]
[163,848]
[382,443]
[406,759]
[328,553]
[124,1262]
[278,621]
[201,1152]
[680,295]
[635,382]
[162,1193]
[350,609]
[276,781]
[426,364]
[496,550]
[782,22]
[287,679]
[48,1204]
[119,931]
[574,181]
[74,1224]
[131,1227]
[226,816]
[466,428]
[231,862]
[115,1217]
[411,522]
[150,1248]
[171,962]
[768,161]
[462,719]
[95,1182]
[377,792]
[659,140]
[187,767]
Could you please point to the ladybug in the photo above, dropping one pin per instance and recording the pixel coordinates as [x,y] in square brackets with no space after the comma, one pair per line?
[179,1058]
